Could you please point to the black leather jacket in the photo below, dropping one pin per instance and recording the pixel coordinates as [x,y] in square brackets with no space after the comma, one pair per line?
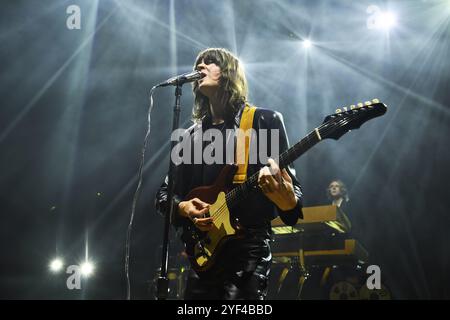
[257,211]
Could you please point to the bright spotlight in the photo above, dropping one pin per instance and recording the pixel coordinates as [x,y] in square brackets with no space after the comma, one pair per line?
[87,268]
[242,63]
[307,43]
[56,265]
[379,19]
[387,20]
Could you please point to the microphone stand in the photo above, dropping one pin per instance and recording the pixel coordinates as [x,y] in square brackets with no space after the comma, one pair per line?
[163,281]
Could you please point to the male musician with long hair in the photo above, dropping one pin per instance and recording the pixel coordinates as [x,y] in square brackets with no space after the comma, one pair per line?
[337,193]
[242,268]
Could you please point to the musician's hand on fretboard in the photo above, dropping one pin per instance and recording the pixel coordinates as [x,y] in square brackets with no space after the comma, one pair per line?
[277,185]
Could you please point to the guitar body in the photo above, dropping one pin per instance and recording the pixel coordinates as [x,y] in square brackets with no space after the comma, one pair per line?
[204,247]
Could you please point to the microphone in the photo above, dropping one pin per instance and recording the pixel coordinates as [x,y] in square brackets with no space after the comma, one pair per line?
[182,79]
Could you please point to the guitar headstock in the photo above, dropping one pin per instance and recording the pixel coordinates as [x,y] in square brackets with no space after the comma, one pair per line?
[348,118]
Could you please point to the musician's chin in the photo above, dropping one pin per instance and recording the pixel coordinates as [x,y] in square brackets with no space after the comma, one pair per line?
[206,88]
[202,83]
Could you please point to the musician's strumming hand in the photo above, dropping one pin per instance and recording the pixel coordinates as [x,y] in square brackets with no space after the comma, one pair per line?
[277,186]
[196,210]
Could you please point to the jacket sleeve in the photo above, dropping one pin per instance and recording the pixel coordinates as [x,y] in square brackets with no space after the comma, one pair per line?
[161,204]
[180,172]
[289,217]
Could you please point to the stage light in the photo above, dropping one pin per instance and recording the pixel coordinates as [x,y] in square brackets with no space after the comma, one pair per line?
[307,43]
[56,265]
[87,268]
[379,19]
[242,63]
[386,20]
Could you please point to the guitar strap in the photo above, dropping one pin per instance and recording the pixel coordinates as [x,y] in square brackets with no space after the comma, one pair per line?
[243,143]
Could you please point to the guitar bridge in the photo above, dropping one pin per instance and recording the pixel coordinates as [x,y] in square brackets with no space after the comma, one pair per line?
[202,251]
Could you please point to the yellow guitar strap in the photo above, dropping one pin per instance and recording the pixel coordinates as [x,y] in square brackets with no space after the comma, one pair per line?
[243,143]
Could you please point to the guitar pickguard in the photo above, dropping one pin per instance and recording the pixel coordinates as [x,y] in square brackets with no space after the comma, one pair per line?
[205,249]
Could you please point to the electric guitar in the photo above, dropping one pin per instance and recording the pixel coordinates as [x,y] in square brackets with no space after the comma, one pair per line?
[204,247]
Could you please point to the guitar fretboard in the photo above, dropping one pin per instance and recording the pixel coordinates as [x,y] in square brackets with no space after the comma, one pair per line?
[333,126]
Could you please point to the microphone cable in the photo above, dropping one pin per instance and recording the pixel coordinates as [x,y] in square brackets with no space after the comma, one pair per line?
[135,198]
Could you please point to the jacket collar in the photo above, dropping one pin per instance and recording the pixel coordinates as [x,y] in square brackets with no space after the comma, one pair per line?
[206,122]
[237,117]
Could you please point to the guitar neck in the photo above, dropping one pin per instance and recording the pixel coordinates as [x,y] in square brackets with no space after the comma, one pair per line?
[334,126]
[243,190]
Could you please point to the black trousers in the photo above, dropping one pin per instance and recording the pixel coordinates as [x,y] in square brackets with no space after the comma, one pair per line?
[241,272]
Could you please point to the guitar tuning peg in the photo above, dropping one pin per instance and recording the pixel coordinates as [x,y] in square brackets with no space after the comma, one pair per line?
[338,110]
[375,100]
[352,107]
[360,105]
[367,103]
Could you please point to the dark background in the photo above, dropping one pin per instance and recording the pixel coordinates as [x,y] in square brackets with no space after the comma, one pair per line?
[73,118]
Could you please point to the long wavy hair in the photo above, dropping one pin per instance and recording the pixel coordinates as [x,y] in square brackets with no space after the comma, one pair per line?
[343,188]
[232,82]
